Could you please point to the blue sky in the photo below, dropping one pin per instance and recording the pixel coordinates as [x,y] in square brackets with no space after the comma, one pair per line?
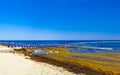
[60,19]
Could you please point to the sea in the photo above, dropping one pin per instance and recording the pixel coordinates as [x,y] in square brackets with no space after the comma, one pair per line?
[77,46]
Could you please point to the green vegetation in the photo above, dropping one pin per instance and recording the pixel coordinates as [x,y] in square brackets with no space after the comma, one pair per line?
[107,63]
[89,63]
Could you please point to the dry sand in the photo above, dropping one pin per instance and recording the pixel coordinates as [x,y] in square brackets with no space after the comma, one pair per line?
[14,64]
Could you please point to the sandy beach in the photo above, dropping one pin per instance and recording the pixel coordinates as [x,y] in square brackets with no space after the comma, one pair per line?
[14,64]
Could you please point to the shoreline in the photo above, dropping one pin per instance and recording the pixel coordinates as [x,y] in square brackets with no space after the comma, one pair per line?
[89,64]
[82,64]
[18,64]
[77,69]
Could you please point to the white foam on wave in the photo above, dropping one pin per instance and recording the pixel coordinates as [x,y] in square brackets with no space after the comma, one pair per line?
[109,41]
[95,42]
[101,48]
[106,48]
[78,43]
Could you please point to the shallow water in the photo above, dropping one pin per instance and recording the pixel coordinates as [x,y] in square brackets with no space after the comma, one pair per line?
[92,46]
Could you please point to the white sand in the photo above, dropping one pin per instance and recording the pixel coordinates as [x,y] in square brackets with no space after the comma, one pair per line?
[13,64]
[5,48]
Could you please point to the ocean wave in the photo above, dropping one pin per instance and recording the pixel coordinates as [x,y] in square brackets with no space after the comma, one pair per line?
[94,42]
[101,48]
[90,48]
[109,41]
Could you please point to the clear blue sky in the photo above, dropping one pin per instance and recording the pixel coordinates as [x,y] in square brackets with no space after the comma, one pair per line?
[60,19]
